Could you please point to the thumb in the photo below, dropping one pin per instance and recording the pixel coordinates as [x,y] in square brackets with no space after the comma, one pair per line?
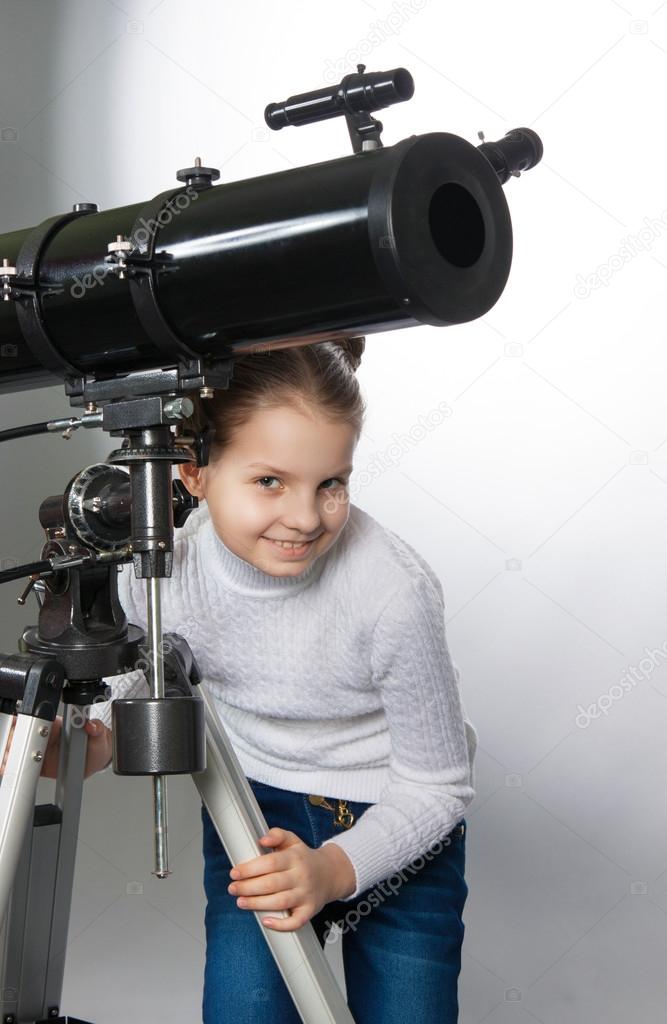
[274,836]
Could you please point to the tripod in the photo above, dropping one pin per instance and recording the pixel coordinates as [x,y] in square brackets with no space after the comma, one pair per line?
[83,636]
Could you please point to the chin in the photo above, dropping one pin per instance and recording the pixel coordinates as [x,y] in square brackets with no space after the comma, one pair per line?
[293,569]
[286,568]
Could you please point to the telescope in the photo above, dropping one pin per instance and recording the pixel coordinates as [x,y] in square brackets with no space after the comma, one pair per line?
[390,237]
[133,310]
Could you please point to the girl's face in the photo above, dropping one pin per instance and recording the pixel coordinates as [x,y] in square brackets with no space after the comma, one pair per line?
[282,478]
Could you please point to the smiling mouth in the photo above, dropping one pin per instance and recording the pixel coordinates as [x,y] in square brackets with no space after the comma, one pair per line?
[289,545]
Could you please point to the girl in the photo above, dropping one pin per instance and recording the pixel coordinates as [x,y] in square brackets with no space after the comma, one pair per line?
[321,636]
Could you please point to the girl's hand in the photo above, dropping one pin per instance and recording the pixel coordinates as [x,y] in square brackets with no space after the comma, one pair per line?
[293,877]
[98,752]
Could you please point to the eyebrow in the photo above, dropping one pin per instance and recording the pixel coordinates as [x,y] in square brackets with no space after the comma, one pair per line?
[282,472]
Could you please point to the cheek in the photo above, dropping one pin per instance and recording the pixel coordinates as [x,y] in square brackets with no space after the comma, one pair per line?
[336,509]
[253,515]
[238,510]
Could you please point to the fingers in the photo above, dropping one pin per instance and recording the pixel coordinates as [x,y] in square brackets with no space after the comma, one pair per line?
[273,901]
[5,754]
[270,883]
[98,747]
[96,757]
[285,924]
[264,865]
[8,744]
[274,838]
[286,900]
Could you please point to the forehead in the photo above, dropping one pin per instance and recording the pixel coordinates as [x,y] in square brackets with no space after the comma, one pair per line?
[286,433]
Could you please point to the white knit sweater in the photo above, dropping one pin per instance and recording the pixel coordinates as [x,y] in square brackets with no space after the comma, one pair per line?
[337,682]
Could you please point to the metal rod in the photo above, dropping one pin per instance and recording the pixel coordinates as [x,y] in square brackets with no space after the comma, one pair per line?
[156,684]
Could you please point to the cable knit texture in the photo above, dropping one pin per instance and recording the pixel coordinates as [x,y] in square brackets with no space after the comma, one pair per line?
[337,681]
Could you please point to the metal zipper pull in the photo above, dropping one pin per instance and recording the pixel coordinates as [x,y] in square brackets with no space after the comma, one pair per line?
[344,816]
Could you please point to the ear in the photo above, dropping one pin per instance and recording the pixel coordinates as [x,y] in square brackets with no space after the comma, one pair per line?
[192,477]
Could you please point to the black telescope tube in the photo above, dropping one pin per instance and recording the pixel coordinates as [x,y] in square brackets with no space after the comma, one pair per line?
[414,233]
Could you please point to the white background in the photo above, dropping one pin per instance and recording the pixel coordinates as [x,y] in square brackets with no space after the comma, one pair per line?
[541,502]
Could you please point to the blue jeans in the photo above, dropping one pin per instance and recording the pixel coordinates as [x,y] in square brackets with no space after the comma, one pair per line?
[401,950]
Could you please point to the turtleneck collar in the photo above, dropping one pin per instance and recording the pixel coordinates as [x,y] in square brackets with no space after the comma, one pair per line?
[236,574]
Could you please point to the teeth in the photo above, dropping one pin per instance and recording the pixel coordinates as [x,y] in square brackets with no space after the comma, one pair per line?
[287,544]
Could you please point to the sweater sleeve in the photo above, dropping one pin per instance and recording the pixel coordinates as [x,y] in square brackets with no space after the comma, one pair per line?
[430,777]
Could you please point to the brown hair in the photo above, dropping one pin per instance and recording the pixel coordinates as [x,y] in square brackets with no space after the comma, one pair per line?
[317,377]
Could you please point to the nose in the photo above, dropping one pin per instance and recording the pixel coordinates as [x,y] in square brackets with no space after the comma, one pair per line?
[303,517]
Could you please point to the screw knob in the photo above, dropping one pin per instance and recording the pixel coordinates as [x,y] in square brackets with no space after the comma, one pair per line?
[198,176]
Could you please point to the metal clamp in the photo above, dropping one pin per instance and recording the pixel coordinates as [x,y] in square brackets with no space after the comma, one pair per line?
[142,266]
[21,283]
[8,273]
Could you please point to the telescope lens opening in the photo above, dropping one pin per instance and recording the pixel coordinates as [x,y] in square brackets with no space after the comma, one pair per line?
[456,224]
[404,84]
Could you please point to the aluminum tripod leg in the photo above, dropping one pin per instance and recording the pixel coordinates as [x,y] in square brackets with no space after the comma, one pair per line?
[239,823]
[41,881]
[17,794]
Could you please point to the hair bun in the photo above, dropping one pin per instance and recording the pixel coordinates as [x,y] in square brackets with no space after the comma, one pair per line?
[352,350]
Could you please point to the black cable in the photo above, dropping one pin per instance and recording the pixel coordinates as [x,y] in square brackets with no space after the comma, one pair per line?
[31,569]
[25,431]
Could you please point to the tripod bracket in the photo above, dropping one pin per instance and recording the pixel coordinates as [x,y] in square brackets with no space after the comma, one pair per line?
[33,686]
